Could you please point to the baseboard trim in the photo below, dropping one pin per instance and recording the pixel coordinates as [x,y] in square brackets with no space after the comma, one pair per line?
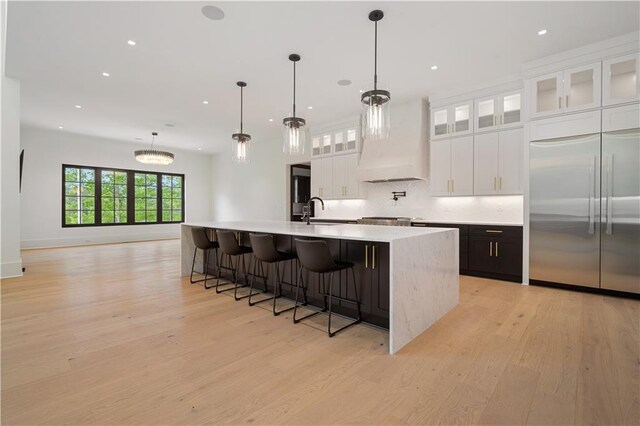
[11,269]
[94,240]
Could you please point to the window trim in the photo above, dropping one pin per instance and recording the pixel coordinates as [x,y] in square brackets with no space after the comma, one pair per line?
[130,197]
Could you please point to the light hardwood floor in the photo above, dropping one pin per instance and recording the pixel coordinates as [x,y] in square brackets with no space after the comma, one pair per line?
[112,335]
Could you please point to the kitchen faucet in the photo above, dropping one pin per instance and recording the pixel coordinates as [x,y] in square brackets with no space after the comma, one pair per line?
[307,214]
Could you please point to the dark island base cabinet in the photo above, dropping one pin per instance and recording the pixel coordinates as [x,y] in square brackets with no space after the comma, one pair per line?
[488,251]
[371,267]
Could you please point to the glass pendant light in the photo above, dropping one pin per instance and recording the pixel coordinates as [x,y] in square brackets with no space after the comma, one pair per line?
[241,141]
[294,127]
[154,156]
[375,103]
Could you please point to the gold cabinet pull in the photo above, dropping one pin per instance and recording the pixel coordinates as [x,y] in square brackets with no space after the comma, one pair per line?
[496,249]
[453,183]
[366,256]
[566,102]
[490,248]
[493,231]
[373,257]
[500,183]
[559,102]
[494,183]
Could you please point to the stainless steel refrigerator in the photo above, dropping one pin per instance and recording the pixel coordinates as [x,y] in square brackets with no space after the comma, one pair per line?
[585,211]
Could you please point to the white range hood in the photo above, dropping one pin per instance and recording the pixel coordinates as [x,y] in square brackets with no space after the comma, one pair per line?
[405,155]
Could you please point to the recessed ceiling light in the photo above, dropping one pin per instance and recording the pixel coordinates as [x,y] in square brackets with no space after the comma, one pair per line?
[60,127]
[131,43]
[199,149]
[169,125]
[309,107]
[105,74]
[344,82]
[79,106]
[271,119]
[205,102]
[542,32]
[212,12]
[139,139]
[434,67]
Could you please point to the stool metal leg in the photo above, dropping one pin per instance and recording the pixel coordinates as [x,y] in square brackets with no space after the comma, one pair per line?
[300,283]
[265,280]
[246,278]
[357,302]
[275,296]
[205,267]
[230,262]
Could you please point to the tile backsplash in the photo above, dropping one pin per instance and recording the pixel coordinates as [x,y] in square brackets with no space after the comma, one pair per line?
[419,204]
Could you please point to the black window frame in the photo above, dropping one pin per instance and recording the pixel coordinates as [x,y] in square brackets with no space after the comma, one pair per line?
[130,197]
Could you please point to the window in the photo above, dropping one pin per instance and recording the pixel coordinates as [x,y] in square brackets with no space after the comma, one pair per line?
[172,198]
[96,196]
[146,197]
[79,196]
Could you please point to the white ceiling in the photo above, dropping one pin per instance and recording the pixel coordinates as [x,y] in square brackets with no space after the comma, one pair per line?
[59,50]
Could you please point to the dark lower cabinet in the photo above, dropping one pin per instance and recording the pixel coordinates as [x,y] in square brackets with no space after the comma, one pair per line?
[371,267]
[496,252]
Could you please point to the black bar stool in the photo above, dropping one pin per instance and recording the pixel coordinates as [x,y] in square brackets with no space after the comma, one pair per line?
[314,256]
[265,251]
[202,242]
[230,247]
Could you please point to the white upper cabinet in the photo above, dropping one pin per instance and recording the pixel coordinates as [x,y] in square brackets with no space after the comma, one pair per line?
[570,90]
[498,158]
[620,81]
[582,88]
[452,120]
[452,167]
[322,177]
[338,141]
[501,111]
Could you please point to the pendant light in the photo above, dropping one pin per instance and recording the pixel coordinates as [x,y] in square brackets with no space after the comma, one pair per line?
[375,103]
[154,156]
[240,144]
[294,130]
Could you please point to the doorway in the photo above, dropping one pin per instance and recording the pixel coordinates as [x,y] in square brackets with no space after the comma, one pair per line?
[300,190]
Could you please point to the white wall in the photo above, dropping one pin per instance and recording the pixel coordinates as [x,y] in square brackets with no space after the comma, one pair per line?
[45,152]
[256,191]
[11,262]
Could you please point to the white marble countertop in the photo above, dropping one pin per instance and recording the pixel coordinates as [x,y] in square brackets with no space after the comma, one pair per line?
[340,231]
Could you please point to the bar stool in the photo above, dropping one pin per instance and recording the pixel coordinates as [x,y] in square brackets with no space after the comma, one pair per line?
[265,251]
[202,242]
[230,247]
[314,256]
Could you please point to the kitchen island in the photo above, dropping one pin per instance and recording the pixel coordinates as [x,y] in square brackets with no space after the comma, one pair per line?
[407,277]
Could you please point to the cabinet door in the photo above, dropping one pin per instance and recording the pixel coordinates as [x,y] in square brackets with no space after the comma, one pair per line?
[326,189]
[510,161]
[481,254]
[462,115]
[339,176]
[317,177]
[510,106]
[440,167]
[582,88]
[507,257]
[462,166]
[379,270]
[485,160]
[620,81]
[546,96]
[440,121]
[486,114]
[352,184]
[358,253]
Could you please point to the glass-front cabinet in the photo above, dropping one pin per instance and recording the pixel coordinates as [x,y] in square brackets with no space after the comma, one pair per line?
[570,90]
[340,141]
[501,111]
[452,120]
[620,82]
